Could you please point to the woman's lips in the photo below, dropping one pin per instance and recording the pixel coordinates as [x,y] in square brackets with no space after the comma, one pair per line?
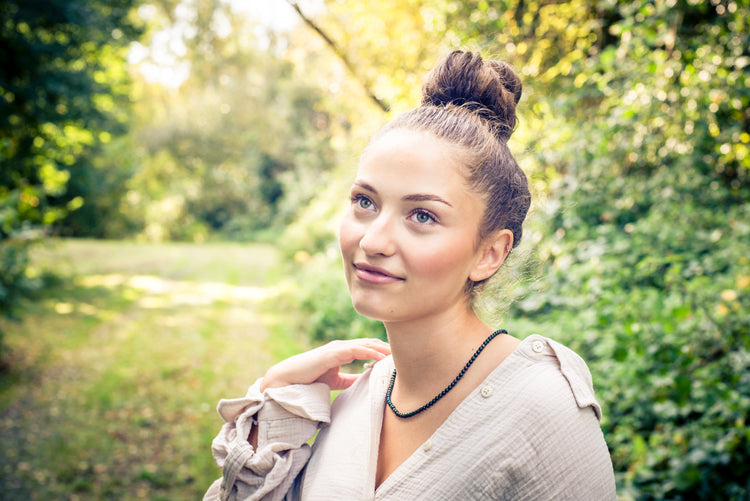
[374,274]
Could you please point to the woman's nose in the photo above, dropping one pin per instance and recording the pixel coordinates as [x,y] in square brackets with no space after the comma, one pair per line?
[378,237]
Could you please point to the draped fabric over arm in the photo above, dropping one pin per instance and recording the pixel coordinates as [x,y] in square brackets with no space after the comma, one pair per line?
[286,418]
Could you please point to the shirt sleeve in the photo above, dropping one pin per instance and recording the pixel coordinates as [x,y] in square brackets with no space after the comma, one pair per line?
[578,376]
[287,418]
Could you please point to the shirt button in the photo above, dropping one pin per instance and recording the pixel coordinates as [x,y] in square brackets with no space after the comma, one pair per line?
[427,446]
[486,391]
[537,346]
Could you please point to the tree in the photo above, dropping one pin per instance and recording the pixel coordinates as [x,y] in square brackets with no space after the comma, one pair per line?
[236,147]
[61,78]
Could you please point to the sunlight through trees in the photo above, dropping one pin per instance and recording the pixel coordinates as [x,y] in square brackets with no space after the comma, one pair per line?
[201,120]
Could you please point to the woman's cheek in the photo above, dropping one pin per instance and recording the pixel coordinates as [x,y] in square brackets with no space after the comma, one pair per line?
[347,235]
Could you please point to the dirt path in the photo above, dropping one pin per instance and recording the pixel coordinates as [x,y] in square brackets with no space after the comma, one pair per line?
[118,371]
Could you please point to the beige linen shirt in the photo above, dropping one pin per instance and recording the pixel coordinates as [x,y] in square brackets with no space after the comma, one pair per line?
[530,431]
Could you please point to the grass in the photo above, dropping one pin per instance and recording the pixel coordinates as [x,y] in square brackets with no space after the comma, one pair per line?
[116,371]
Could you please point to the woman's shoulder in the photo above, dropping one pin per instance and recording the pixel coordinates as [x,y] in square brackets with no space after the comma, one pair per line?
[554,372]
[554,425]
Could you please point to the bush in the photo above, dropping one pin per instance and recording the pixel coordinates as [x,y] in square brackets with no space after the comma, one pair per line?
[16,281]
[323,298]
[646,270]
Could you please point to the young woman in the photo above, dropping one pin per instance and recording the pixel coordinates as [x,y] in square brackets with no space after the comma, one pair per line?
[451,408]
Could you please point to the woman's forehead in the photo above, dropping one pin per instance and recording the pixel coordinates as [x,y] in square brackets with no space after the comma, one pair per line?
[410,155]
[415,166]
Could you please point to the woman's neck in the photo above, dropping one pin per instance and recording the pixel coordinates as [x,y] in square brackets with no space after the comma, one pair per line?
[429,353]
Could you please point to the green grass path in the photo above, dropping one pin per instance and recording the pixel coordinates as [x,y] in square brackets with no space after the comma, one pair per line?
[117,371]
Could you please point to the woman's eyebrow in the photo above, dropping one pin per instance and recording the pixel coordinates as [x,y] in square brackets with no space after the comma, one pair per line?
[415,197]
[365,186]
[426,197]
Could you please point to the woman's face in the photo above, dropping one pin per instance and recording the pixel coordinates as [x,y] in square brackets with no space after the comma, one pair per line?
[409,237]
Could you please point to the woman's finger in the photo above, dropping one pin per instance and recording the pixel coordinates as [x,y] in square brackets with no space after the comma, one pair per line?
[341,381]
[323,363]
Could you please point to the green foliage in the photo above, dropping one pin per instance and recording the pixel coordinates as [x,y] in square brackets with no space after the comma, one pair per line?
[13,262]
[98,193]
[60,68]
[58,93]
[646,271]
[237,147]
[317,293]
[328,306]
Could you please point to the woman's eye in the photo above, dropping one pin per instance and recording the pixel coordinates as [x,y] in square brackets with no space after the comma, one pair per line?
[365,203]
[423,217]
[362,202]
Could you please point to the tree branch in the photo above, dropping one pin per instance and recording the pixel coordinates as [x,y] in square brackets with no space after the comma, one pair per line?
[342,56]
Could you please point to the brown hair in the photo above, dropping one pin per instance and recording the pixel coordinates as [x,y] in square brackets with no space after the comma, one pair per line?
[471,103]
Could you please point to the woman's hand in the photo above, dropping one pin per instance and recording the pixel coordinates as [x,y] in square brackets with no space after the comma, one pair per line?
[323,364]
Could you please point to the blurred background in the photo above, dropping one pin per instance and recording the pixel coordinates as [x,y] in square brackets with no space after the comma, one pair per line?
[172,173]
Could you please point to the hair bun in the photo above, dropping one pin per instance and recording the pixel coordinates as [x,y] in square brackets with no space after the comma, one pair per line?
[490,88]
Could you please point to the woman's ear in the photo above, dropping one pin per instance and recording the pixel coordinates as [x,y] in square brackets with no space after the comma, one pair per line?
[493,252]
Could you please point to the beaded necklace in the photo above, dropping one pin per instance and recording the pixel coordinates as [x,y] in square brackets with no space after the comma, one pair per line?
[446,389]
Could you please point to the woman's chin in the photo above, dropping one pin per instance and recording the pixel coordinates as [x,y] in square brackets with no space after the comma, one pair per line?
[366,309]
